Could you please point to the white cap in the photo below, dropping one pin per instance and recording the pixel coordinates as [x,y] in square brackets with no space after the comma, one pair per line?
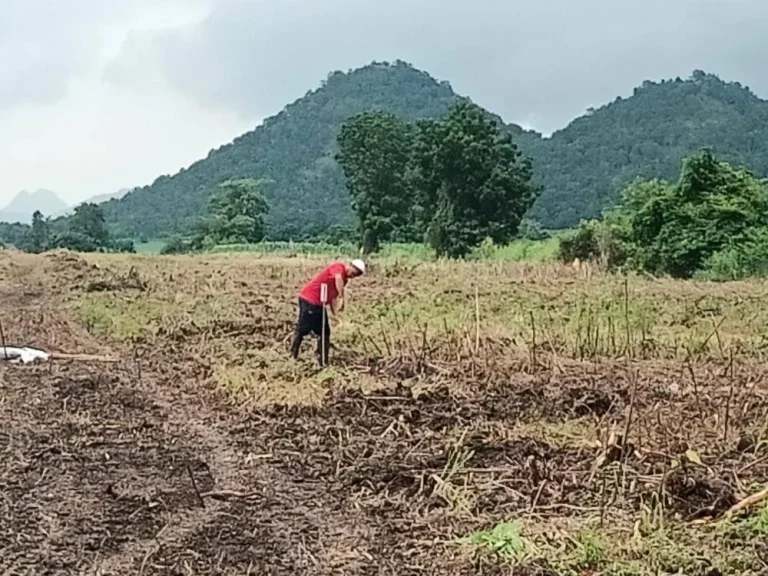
[359,264]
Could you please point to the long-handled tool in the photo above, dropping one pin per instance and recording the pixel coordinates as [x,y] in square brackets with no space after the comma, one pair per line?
[324,302]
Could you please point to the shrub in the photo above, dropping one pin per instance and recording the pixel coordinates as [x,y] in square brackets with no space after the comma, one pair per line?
[124,245]
[743,258]
[531,230]
[581,243]
[176,245]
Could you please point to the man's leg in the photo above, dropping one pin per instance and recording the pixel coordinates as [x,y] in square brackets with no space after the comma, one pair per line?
[302,329]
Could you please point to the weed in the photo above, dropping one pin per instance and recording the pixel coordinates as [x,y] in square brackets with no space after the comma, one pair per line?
[504,541]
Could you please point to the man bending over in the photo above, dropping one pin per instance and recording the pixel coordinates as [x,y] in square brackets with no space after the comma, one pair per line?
[312,318]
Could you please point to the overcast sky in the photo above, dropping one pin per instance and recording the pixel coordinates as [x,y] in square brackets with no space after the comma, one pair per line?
[97,95]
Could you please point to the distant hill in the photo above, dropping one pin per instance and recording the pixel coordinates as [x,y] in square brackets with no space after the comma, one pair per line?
[98,199]
[582,166]
[25,203]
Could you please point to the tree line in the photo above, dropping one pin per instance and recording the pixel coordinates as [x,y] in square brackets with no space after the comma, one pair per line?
[85,231]
[236,215]
[450,182]
[712,223]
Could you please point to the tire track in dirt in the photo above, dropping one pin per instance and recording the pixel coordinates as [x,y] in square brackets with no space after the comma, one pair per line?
[222,465]
[61,406]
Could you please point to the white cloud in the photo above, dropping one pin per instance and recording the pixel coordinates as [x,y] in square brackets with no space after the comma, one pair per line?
[101,138]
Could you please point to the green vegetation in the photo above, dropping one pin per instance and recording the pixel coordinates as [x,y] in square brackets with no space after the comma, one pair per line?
[236,216]
[14,234]
[454,182]
[582,167]
[84,231]
[519,250]
[406,141]
[375,153]
[713,223]
[294,150]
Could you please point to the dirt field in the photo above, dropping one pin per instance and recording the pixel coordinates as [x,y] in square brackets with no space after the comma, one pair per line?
[477,419]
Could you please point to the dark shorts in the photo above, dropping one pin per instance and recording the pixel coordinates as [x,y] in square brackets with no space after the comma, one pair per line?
[310,321]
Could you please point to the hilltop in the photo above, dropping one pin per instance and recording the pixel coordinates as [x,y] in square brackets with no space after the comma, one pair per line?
[25,203]
[98,199]
[581,167]
[293,150]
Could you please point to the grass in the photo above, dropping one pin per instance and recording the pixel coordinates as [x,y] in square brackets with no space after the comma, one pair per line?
[584,547]
[149,247]
[542,306]
[516,251]
[238,309]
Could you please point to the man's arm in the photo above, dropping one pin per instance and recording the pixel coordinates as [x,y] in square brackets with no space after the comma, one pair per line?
[338,303]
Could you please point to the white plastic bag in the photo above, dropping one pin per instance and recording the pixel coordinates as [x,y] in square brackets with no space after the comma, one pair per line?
[23,355]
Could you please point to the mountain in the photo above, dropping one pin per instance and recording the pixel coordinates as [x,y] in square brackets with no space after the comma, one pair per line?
[582,167]
[98,199]
[24,204]
[294,150]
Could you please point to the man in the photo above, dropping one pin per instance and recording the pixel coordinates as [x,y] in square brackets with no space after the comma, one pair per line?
[311,316]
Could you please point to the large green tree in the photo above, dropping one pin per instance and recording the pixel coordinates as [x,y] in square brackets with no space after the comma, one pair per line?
[237,213]
[88,221]
[374,153]
[473,182]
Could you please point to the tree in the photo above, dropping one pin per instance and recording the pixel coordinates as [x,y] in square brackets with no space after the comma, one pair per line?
[15,234]
[76,241]
[86,231]
[374,154]
[676,229]
[38,238]
[88,221]
[237,213]
[473,181]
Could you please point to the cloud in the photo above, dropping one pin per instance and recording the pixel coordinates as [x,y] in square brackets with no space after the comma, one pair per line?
[548,60]
[96,95]
[43,43]
[104,138]
[66,130]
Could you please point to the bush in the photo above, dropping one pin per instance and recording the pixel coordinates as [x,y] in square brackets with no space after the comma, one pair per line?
[485,251]
[581,243]
[76,242]
[176,245]
[595,240]
[531,230]
[125,246]
[742,259]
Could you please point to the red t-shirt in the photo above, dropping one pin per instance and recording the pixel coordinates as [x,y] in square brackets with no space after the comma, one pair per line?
[311,290]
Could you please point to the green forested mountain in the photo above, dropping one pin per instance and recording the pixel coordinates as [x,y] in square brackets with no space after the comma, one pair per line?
[581,167]
[584,166]
[294,150]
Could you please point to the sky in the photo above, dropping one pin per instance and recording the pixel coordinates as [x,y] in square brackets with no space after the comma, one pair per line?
[100,95]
